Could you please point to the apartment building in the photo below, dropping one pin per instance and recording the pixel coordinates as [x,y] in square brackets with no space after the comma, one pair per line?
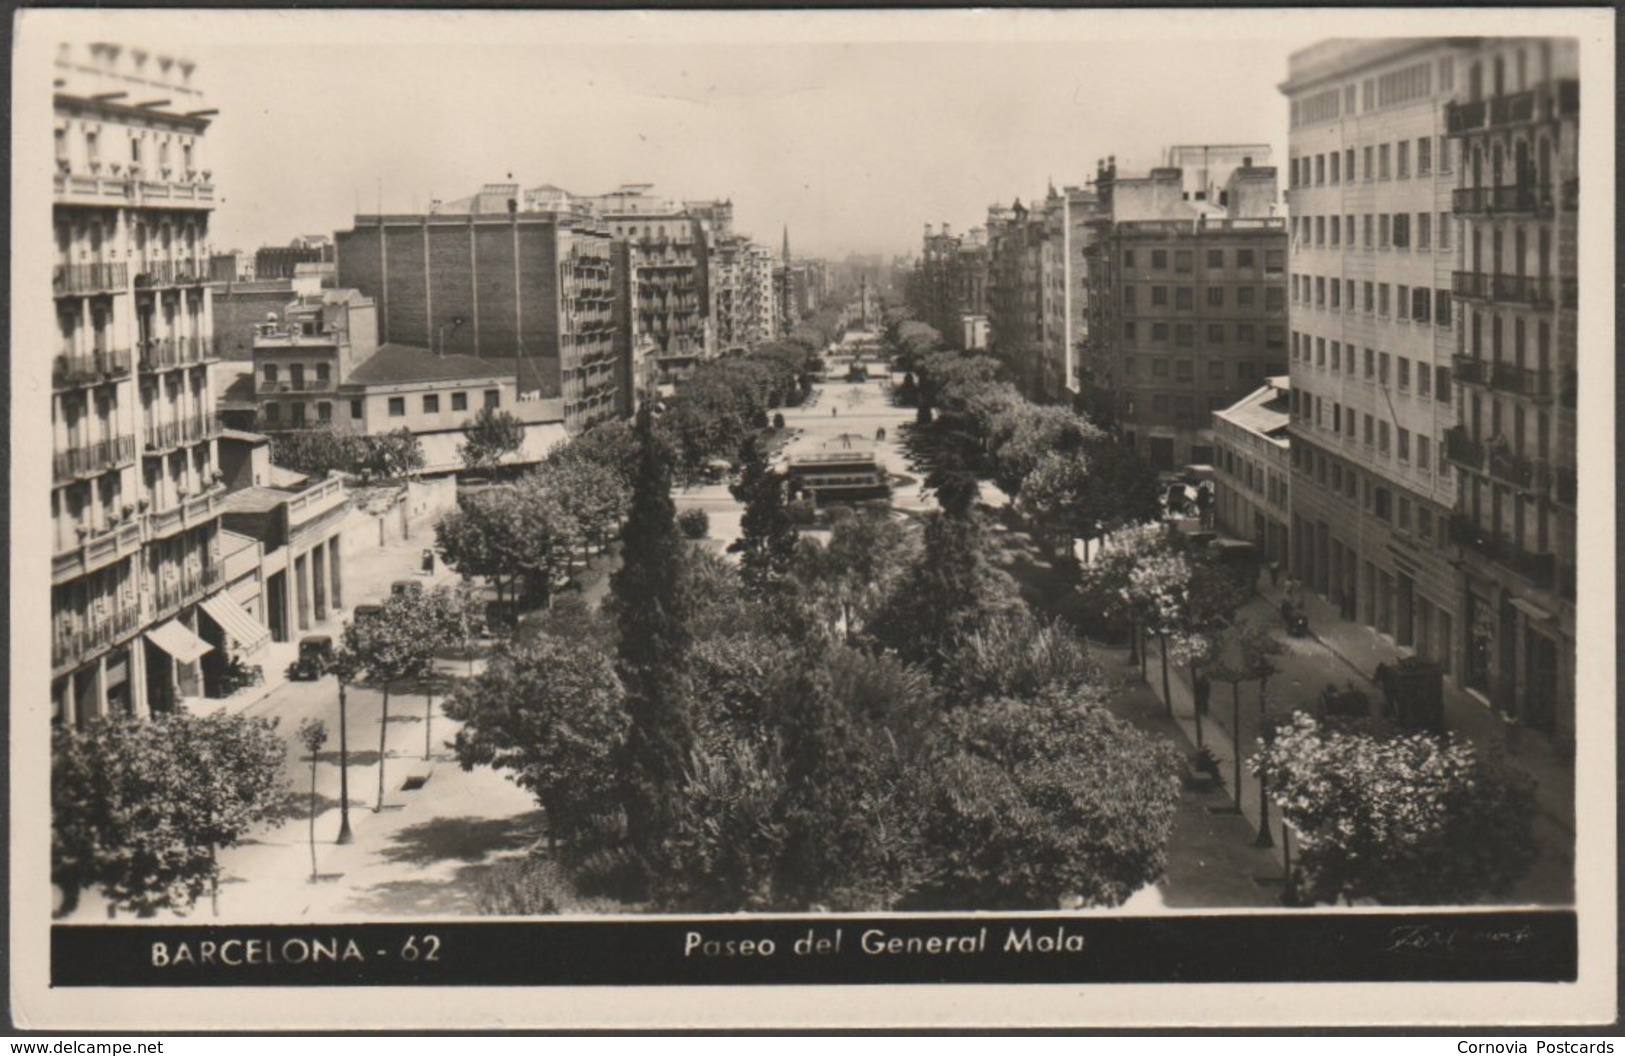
[1514,128]
[136,564]
[1252,469]
[534,292]
[1187,308]
[1016,239]
[1374,326]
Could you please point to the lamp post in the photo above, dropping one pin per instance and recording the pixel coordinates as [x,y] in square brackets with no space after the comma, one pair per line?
[1266,731]
[345,836]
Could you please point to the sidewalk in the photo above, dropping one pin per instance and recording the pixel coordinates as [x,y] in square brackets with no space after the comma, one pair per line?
[1306,666]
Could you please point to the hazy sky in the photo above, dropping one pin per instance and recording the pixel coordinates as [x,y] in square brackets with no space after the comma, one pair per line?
[853,129]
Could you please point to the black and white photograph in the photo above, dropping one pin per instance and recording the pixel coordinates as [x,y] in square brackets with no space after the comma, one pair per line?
[812,518]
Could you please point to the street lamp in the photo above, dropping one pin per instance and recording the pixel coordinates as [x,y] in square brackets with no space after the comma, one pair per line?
[1266,731]
[345,836]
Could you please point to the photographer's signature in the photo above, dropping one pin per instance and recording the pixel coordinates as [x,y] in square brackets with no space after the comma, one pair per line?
[1442,940]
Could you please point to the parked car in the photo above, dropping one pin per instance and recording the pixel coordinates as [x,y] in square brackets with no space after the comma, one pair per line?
[365,612]
[315,657]
[406,586]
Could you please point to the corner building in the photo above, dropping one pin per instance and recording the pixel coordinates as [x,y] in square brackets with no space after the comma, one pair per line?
[1374,326]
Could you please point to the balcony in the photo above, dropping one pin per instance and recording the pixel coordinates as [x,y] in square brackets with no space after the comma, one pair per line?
[73,188]
[1461,449]
[1512,109]
[96,551]
[89,368]
[188,513]
[1499,550]
[1530,474]
[192,429]
[1470,371]
[263,388]
[89,460]
[70,648]
[171,273]
[70,280]
[1502,377]
[1513,200]
[190,586]
[1502,289]
[1461,118]
[166,353]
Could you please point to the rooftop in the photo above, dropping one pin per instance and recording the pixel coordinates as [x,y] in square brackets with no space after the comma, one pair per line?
[1263,411]
[404,364]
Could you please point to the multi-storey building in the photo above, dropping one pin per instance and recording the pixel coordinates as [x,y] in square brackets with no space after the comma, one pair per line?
[1015,299]
[1188,304]
[1064,291]
[1252,469]
[1374,325]
[1514,123]
[135,491]
[948,286]
[535,291]
[282,262]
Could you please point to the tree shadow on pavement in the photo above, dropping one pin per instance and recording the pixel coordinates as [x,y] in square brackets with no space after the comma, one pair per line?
[465,839]
[454,894]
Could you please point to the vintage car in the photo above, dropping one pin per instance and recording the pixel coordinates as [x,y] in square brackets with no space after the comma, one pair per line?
[315,657]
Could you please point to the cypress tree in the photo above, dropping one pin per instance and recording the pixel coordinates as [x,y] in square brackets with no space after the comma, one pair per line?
[767,541]
[651,656]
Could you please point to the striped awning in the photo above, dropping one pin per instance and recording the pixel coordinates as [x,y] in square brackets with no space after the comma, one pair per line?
[178,641]
[244,629]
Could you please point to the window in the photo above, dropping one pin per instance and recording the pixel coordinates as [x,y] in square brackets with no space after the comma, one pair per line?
[1274,261]
[1184,408]
[296,375]
[135,152]
[323,372]
[1424,156]
[1215,369]
[1182,260]
[1334,165]
[1348,163]
[1159,403]
[1366,227]
[1320,351]
[1215,258]
[397,406]
[273,413]
[1441,307]
[1129,330]
[1159,332]
[1383,231]
[1184,370]
[1404,300]
[1320,230]
[1370,430]
[493,397]
[1403,366]
[1159,295]
[1382,438]
[1320,292]
[1215,296]
[1184,334]
[1404,514]
[1424,522]
[1370,364]
[1244,258]
[1444,230]
[1337,356]
[1404,445]
[1424,379]
[431,403]
[1402,230]
[1244,296]
[1402,159]
[1369,171]
[1128,259]
[1442,384]
[1128,298]
[1244,333]
[269,373]
[1424,230]
[1421,304]
[1184,298]
[1337,294]
[1423,452]
[1215,333]
[1159,259]
[298,414]
[1320,168]
[1128,366]
[1335,231]
[1382,161]
[1245,368]
[1382,298]
[1382,503]
[1444,153]
[324,412]
[1274,337]
[355,409]
[92,150]
[459,401]
[1274,298]
[1348,294]
[1348,229]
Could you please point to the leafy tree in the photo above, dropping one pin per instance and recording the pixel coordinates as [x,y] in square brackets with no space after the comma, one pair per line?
[551,713]
[867,554]
[1053,496]
[694,523]
[397,453]
[608,444]
[140,808]
[1018,655]
[319,451]
[652,652]
[1025,433]
[767,540]
[1414,820]
[397,644]
[490,434]
[1134,578]
[1244,652]
[727,833]
[1031,804]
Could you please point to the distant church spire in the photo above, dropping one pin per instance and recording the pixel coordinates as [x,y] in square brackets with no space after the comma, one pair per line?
[787,243]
